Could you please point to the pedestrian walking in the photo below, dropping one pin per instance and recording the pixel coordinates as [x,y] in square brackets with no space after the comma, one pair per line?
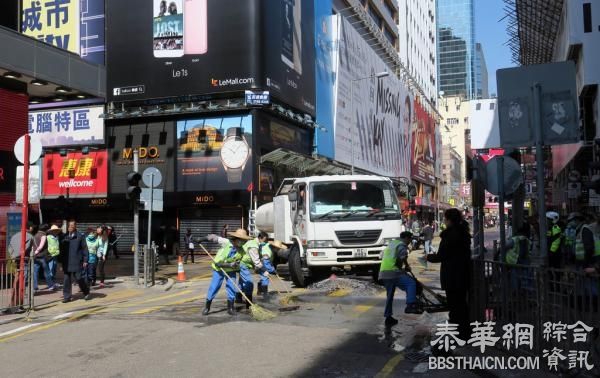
[251,262]
[189,245]
[167,244]
[40,260]
[93,242]
[53,240]
[227,259]
[454,253]
[74,258]
[428,232]
[102,252]
[393,274]
[112,241]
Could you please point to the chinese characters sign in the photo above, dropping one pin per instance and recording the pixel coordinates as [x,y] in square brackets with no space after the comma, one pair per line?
[55,22]
[67,127]
[75,175]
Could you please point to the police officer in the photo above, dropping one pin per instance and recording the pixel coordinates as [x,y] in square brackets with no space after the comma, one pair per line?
[574,224]
[587,247]
[517,249]
[555,238]
[392,273]
[227,259]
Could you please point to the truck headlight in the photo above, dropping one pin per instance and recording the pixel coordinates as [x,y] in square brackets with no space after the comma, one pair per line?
[320,244]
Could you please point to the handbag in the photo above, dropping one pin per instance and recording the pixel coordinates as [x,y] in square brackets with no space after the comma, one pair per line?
[191,245]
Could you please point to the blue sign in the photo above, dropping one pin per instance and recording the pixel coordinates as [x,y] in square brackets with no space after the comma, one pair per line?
[13,227]
[92,31]
[258,98]
[325,79]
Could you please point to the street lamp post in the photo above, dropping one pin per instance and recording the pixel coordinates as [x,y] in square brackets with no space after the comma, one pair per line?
[378,75]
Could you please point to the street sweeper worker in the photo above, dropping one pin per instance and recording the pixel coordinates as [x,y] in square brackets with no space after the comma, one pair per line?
[227,259]
[393,273]
[251,262]
[266,257]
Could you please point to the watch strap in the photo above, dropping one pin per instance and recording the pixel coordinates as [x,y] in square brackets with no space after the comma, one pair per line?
[234,175]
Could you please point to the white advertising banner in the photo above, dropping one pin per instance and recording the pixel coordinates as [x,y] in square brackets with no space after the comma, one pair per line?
[67,127]
[34,184]
[374,125]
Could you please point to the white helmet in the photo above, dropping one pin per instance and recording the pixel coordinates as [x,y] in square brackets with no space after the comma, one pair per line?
[553,216]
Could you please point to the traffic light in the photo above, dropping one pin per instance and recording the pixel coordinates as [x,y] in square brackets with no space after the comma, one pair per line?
[133,185]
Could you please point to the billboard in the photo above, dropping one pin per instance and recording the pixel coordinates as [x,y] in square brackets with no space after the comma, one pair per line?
[67,127]
[92,31]
[202,47]
[155,143]
[325,75]
[275,133]
[76,175]
[423,146]
[214,154]
[55,22]
[373,124]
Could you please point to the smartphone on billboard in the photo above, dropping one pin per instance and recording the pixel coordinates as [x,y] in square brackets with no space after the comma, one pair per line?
[168,28]
[196,27]
[287,32]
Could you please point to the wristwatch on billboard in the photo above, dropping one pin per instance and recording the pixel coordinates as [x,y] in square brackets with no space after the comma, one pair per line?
[235,152]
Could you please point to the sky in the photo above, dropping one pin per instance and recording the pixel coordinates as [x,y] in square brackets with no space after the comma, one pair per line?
[491,33]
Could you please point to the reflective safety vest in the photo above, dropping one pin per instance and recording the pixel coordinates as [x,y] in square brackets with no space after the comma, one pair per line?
[552,234]
[388,261]
[512,255]
[265,251]
[246,259]
[580,249]
[224,255]
[570,235]
[53,245]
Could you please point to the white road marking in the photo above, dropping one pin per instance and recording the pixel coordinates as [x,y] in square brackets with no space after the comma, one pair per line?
[20,329]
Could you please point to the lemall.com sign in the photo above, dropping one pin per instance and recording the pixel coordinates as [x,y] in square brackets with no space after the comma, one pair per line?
[75,175]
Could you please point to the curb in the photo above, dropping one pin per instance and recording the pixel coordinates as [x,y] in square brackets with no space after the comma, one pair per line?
[169,284]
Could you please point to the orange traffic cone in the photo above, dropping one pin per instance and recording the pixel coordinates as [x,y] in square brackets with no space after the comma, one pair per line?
[180,271]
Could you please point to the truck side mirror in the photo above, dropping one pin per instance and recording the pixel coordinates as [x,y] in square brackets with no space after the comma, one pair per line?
[293,196]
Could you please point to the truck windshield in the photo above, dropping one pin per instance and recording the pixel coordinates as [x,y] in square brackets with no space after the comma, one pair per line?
[353,200]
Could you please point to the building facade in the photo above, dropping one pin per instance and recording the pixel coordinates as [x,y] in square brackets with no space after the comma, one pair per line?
[481,72]
[456,56]
[417,46]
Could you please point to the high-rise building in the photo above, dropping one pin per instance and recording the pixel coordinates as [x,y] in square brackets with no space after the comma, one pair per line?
[481,73]
[456,48]
[417,46]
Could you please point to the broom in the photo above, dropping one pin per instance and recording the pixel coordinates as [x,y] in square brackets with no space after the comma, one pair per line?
[256,311]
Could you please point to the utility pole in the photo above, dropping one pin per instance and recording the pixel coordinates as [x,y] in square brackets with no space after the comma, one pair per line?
[136,224]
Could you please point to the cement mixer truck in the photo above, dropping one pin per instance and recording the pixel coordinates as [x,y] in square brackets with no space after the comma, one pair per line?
[332,221]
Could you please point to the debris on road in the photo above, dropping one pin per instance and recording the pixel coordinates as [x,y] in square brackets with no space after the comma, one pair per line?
[347,285]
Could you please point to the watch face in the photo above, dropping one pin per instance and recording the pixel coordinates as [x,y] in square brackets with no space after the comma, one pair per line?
[234,153]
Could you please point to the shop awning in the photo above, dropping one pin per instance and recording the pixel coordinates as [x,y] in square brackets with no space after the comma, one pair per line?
[306,165]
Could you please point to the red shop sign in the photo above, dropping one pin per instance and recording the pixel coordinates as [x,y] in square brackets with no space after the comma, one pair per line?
[75,175]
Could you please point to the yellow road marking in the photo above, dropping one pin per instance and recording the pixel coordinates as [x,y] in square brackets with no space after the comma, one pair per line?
[362,308]
[150,300]
[157,308]
[339,293]
[389,367]
[51,325]
[201,277]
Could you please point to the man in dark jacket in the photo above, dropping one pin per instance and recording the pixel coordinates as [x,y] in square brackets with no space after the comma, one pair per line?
[74,258]
[454,253]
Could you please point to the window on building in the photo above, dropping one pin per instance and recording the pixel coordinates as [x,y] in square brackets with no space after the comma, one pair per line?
[492,105]
[390,36]
[375,16]
[478,106]
[390,9]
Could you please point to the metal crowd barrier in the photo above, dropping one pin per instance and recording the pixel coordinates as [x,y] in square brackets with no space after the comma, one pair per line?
[510,294]
[11,300]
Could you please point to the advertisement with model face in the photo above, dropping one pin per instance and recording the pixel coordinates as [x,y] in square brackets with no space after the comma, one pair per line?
[423,149]
[373,124]
[214,154]
[201,47]
[289,51]
[155,145]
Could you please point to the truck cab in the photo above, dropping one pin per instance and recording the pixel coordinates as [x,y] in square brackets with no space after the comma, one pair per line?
[335,221]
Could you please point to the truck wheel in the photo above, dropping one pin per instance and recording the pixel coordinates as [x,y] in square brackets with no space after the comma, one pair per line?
[295,265]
